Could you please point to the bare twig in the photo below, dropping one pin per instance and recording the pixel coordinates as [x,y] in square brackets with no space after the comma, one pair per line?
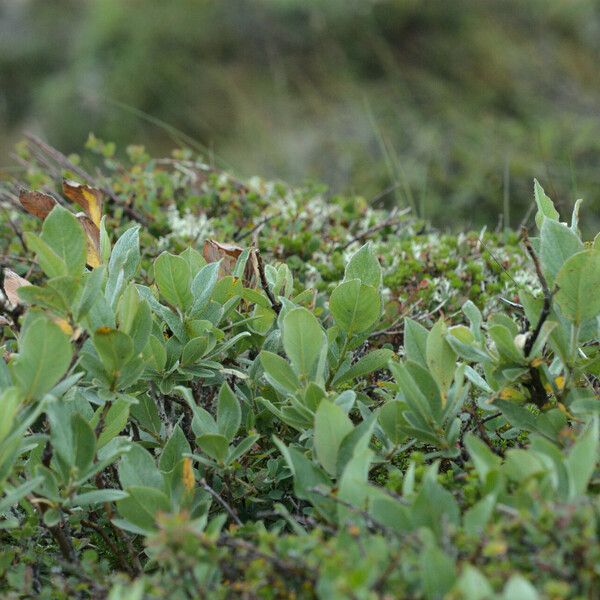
[43,151]
[239,236]
[113,547]
[16,229]
[222,502]
[472,410]
[381,195]
[504,269]
[275,304]
[394,219]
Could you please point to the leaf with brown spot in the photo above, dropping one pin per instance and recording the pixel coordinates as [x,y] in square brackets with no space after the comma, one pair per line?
[89,198]
[92,238]
[12,282]
[37,204]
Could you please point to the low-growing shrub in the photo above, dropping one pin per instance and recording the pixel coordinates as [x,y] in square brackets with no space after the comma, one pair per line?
[214,388]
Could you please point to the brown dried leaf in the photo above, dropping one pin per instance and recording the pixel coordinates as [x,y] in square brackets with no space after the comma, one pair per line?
[37,204]
[12,282]
[228,254]
[89,198]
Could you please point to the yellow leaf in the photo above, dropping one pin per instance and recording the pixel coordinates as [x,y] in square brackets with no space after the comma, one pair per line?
[64,325]
[559,383]
[89,198]
[510,394]
[92,238]
[188,474]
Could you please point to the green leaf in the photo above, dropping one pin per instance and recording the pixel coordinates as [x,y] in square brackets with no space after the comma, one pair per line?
[307,476]
[364,265]
[50,262]
[473,585]
[14,495]
[174,449]
[215,445]
[477,517]
[91,289]
[544,204]
[441,358]
[517,415]
[262,319]
[303,340]
[61,430]
[155,355]
[229,413]
[355,306]
[558,243]
[146,414]
[519,587]
[44,357]
[464,344]
[415,341]
[278,372]
[355,442]
[578,283]
[98,497]
[484,460]
[63,233]
[434,507]
[173,277]
[392,421]
[378,359]
[203,422]
[582,459]
[82,444]
[115,421]
[194,259]
[353,485]
[505,344]
[243,447]
[137,468]
[195,349]
[331,426]
[474,315]
[125,254]
[438,572]
[416,394]
[346,400]
[114,347]
[141,506]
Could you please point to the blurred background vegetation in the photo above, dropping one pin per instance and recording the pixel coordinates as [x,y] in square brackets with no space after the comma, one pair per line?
[453,105]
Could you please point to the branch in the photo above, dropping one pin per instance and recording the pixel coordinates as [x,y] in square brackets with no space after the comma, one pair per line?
[394,219]
[275,304]
[222,502]
[239,236]
[547,293]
